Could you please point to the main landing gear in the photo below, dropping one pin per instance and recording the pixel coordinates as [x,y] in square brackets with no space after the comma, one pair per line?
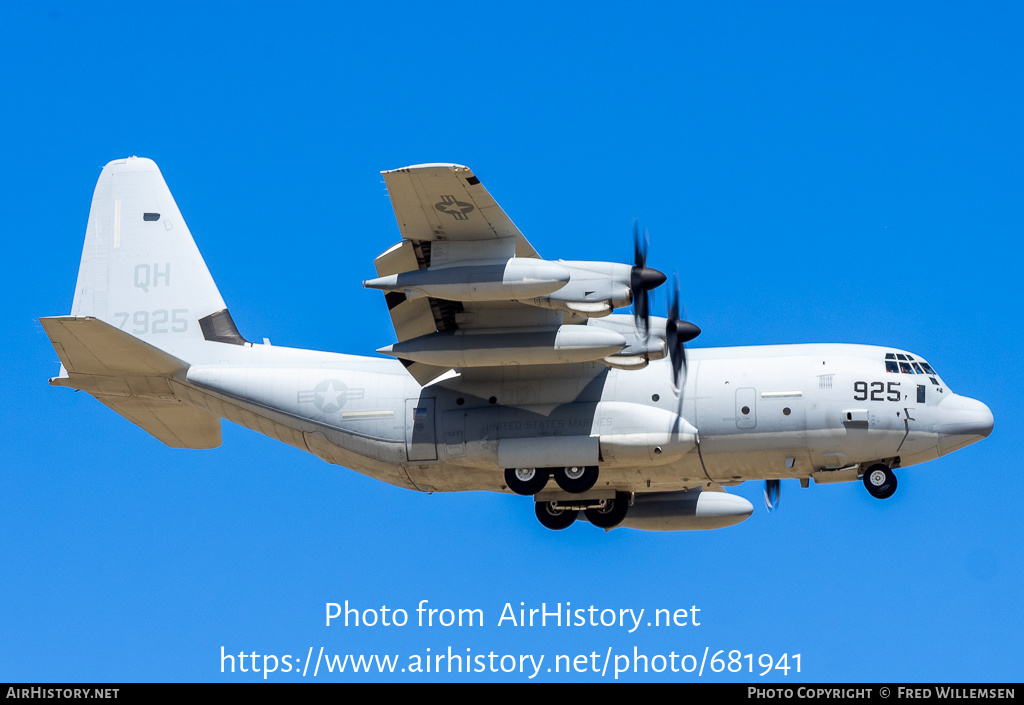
[526,481]
[576,479]
[605,513]
[602,513]
[880,481]
[530,481]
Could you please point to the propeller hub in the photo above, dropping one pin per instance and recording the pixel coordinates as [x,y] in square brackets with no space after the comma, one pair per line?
[647,278]
[686,331]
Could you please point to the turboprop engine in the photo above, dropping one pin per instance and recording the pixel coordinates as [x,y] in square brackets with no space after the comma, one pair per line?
[518,278]
[582,288]
[486,348]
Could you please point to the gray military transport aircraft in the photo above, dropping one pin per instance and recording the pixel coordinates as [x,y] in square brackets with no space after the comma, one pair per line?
[513,374]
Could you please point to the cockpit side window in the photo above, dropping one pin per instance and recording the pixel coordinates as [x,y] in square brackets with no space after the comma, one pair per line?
[891,366]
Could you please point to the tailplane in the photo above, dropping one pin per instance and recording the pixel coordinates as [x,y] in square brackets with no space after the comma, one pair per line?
[131,377]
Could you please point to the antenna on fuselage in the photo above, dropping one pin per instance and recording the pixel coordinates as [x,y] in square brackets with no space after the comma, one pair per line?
[772,494]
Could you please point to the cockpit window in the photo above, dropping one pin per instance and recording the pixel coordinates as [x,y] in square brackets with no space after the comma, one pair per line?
[906,364]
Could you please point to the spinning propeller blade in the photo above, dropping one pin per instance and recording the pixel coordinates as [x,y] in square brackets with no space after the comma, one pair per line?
[677,333]
[641,280]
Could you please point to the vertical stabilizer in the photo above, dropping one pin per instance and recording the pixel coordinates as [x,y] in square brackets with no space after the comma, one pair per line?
[141,271]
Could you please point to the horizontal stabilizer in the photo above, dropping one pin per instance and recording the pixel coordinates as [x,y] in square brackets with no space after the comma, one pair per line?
[175,424]
[131,377]
[88,346]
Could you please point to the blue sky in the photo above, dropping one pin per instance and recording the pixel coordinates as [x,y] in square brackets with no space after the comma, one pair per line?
[814,172]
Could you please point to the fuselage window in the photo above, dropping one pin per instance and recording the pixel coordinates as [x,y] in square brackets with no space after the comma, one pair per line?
[934,381]
[920,394]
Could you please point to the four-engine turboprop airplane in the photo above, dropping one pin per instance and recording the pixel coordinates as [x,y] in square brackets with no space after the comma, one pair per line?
[512,372]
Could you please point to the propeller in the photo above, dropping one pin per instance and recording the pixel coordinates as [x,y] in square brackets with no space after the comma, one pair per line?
[641,280]
[677,333]
[772,493]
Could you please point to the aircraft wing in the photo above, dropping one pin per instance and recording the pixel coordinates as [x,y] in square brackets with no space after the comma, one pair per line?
[447,218]
[446,202]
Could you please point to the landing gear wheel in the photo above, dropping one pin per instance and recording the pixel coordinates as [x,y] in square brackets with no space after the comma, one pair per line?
[554,517]
[610,513]
[526,481]
[576,479]
[880,481]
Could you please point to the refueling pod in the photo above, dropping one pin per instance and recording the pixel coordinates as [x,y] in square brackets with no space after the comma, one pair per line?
[690,510]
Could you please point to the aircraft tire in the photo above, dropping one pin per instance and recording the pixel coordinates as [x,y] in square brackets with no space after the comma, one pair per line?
[553,517]
[526,481]
[612,514]
[880,481]
[576,479]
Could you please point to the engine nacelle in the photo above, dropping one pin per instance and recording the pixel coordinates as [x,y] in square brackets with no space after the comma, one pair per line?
[594,289]
[487,348]
[692,510]
[638,352]
[516,279]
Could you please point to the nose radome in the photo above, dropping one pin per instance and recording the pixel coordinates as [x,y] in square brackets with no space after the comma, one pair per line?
[962,421]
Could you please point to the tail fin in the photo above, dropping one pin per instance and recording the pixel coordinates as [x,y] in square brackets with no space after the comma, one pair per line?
[145,307]
[141,271]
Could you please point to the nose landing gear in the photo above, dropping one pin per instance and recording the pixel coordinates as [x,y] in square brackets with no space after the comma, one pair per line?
[880,481]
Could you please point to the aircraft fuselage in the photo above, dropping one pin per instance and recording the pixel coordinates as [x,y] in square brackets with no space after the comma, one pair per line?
[820,411]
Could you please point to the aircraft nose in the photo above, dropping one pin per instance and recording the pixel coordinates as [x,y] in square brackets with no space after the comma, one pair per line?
[962,421]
